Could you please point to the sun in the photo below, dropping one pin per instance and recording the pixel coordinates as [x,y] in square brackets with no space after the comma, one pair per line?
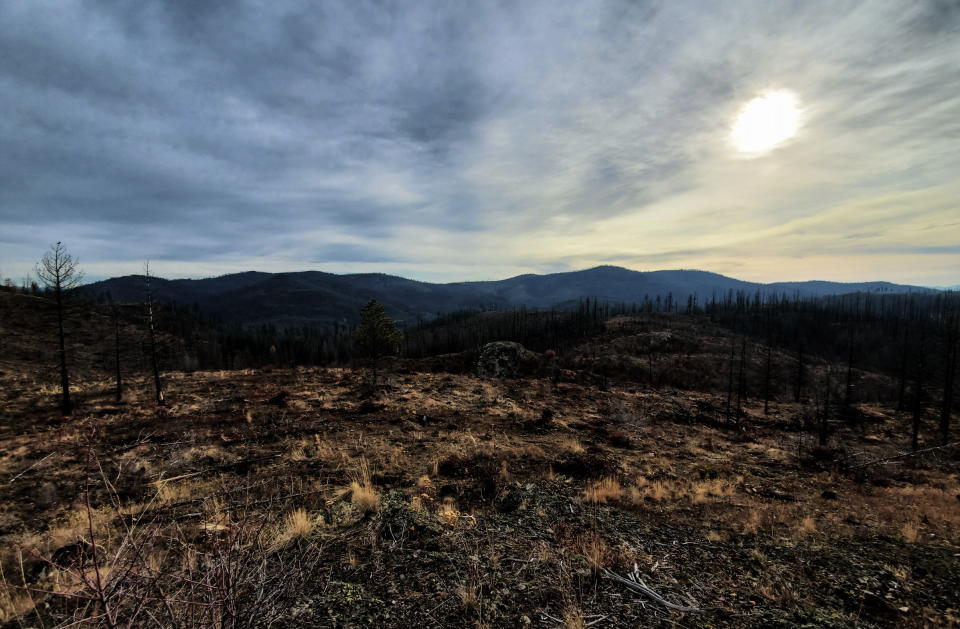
[766,122]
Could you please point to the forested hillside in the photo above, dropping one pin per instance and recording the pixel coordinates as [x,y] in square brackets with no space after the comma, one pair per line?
[312,297]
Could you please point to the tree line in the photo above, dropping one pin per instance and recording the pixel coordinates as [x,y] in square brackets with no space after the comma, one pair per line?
[913,338]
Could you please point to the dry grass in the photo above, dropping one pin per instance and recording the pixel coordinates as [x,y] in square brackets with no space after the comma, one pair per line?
[715,536]
[14,604]
[178,490]
[603,491]
[448,512]
[655,484]
[74,525]
[469,595]
[609,490]
[363,496]
[751,523]
[696,492]
[571,445]
[596,551]
[296,525]
[573,618]
[910,532]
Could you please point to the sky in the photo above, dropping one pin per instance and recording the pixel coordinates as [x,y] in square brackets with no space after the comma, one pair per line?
[456,140]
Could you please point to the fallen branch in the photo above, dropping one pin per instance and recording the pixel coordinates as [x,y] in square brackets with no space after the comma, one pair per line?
[31,467]
[902,455]
[642,588]
[163,481]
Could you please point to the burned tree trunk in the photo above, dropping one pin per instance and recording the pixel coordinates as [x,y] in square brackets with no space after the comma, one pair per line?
[949,378]
[823,425]
[115,311]
[730,379]
[798,390]
[152,336]
[918,393]
[59,272]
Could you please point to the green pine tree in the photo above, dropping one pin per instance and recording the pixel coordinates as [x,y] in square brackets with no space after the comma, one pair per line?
[377,335]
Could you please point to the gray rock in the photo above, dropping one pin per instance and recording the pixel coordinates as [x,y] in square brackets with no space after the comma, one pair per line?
[505,359]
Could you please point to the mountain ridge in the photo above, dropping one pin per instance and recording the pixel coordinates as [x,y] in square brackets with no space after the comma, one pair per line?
[309,297]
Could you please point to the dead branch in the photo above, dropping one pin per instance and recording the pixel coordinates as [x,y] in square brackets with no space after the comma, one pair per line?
[902,455]
[31,467]
[642,588]
[218,468]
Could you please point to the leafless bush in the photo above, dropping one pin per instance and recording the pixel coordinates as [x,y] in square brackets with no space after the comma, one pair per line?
[159,568]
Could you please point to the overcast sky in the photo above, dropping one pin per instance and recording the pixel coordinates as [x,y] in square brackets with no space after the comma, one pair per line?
[480,139]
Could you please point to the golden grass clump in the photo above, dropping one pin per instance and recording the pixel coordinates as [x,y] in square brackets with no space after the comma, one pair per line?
[504,473]
[596,551]
[603,491]
[13,605]
[173,490]
[716,536]
[297,525]
[469,595]
[717,488]
[910,532]
[751,524]
[363,495]
[571,445]
[448,512]
[573,618]
[74,525]
[697,492]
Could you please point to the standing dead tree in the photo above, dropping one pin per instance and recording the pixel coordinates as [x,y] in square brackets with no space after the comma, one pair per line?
[766,368]
[951,351]
[152,336]
[115,315]
[60,273]
[918,391]
[730,374]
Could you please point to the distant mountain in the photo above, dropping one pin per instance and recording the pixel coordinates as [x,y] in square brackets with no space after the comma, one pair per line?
[316,297]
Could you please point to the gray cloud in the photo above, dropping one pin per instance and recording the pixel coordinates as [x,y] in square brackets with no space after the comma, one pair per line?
[453,140]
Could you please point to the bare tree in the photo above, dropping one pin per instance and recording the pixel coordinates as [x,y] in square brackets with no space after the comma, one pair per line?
[823,428]
[730,374]
[59,272]
[951,351]
[798,388]
[151,327]
[115,315]
[918,392]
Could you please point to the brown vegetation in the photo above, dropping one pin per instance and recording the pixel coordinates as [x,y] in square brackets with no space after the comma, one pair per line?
[450,502]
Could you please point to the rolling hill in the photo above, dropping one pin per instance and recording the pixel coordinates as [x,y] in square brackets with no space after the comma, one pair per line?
[317,297]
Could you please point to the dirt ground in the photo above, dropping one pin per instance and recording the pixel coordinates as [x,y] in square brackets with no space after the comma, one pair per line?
[306,497]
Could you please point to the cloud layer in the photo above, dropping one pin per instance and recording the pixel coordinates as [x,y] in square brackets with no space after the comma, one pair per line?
[470,140]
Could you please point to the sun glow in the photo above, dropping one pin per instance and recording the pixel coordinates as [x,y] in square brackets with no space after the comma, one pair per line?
[766,122]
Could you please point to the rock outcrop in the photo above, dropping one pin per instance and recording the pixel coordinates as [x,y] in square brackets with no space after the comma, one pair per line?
[505,359]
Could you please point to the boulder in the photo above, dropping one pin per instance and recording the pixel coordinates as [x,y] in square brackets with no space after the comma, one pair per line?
[505,359]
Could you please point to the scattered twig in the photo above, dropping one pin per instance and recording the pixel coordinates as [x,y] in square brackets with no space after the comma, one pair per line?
[549,617]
